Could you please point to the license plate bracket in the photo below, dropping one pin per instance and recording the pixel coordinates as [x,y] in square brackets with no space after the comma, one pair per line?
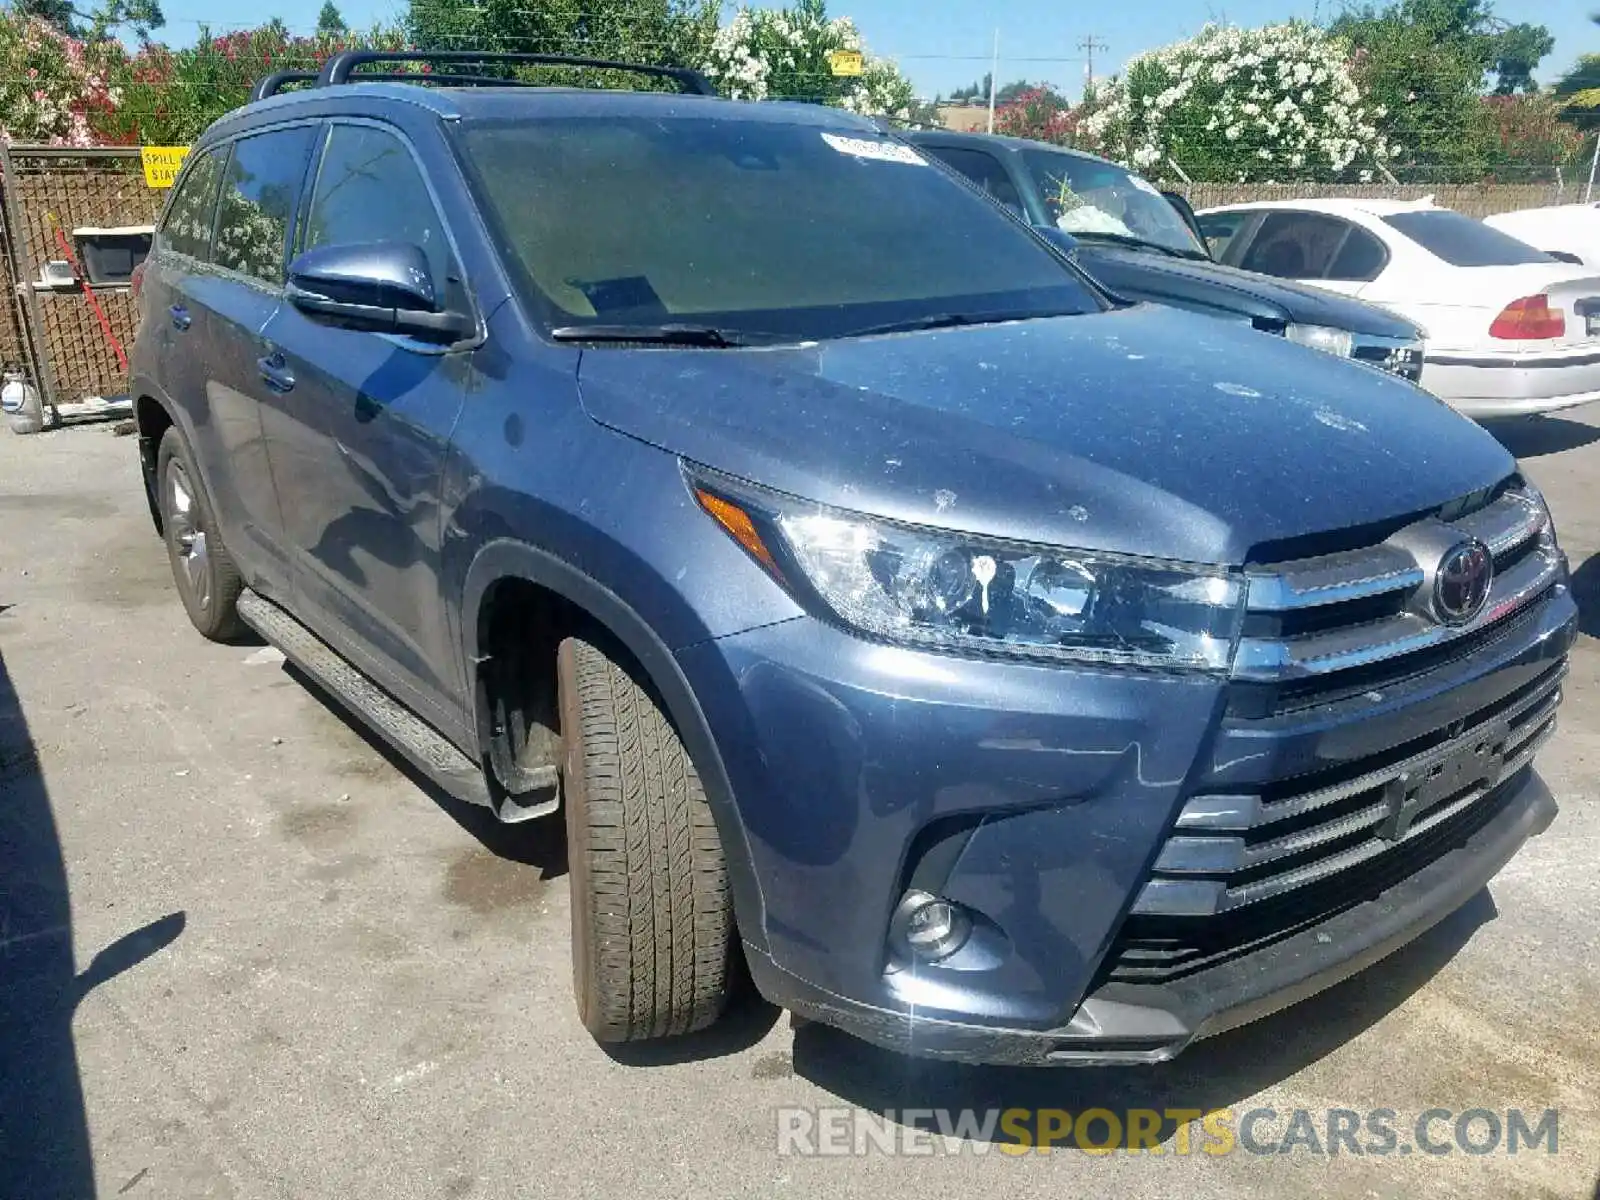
[1475,762]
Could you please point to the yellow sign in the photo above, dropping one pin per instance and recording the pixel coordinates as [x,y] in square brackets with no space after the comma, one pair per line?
[845,62]
[161,164]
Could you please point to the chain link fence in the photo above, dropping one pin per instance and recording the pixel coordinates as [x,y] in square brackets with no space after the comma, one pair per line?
[51,331]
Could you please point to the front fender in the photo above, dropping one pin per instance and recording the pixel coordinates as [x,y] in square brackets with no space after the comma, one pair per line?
[505,558]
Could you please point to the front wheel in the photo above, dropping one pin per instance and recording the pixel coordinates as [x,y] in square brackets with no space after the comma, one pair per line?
[652,919]
[207,580]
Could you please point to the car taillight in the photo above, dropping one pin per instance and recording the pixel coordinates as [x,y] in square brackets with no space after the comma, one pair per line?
[135,280]
[1530,317]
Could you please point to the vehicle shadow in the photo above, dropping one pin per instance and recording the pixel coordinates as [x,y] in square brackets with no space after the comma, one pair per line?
[1211,1074]
[1586,591]
[1534,437]
[44,1135]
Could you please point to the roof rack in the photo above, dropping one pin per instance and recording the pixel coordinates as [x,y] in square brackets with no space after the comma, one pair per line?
[274,84]
[341,67]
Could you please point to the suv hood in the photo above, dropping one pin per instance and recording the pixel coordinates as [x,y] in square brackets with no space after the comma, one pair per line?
[1150,275]
[1143,430]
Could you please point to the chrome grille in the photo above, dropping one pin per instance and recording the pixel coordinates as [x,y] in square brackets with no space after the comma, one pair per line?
[1230,851]
[1340,612]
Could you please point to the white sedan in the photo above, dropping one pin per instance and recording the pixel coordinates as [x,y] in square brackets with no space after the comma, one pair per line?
[1570,231]
[1510,330]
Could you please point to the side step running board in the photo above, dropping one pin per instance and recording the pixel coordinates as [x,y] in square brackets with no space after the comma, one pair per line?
[421,745]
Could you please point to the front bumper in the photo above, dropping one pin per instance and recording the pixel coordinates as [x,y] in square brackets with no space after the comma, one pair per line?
[1045,797]
[1508,383]
[1119,1025]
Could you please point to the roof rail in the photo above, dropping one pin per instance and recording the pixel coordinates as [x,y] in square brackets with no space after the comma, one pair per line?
[341,67]
[272,85]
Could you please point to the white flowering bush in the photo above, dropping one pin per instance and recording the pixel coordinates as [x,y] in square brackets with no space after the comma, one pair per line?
[785,54]
[1241,105]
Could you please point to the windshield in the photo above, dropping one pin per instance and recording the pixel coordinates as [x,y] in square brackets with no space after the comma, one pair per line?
[1087,196]
[1463,242]
[753,225]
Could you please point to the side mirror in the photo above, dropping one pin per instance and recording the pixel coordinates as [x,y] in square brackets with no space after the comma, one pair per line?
[378,287]
[1186,211]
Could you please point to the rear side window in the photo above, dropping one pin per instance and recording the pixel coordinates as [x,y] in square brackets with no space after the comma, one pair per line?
[187,226]
[984,170]
[1361,258]
[1463,242]
[259,191]
[369,190]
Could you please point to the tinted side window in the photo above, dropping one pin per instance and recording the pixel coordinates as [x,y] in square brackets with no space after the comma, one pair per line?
[187,225]
[370,190]
[984,170]
[1463,242]
[1219,230]
[259,190]
[1361,258]
[1295,245]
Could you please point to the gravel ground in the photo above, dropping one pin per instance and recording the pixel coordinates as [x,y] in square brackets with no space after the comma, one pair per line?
[242,954]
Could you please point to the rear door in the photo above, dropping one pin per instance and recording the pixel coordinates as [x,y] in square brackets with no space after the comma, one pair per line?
[231,304]
[169,347]
[360,430]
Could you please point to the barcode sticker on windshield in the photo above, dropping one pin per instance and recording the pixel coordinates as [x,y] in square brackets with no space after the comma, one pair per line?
[882,151]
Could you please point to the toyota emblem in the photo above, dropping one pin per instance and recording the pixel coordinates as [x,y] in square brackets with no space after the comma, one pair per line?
[1461,584]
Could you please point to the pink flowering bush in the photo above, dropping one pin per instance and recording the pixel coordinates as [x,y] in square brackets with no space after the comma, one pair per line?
[1040,113]
[168,97]
[52,86]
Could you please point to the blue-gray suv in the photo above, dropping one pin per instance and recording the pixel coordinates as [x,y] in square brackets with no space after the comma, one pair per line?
[994,669]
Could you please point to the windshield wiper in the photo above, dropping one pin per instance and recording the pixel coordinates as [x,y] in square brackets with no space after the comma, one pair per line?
[951,320]
[661,335]
[1123,239]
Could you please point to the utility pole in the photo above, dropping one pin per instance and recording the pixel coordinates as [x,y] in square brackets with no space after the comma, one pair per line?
[994,77]
[1089,44]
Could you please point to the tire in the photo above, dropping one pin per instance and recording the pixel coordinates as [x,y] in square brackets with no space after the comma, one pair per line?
[204,572]
[652,916]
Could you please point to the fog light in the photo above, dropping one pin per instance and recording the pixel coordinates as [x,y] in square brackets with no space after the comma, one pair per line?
[927,929]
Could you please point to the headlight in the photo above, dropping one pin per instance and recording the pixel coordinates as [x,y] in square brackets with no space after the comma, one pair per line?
[954,592]
[1322,337]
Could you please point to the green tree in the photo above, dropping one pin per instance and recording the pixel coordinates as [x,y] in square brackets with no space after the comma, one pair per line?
[138,16]
[58,13]
[330,20]
[1517,51]
[1579,90]
[657,32]
[1428,83]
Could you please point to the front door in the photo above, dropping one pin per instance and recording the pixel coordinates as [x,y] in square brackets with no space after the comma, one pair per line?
[359,433]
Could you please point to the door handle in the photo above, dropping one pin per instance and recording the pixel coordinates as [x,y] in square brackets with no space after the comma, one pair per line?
[275,372]
[180,316]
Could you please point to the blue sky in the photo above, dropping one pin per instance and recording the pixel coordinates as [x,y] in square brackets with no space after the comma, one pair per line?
[943,44]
